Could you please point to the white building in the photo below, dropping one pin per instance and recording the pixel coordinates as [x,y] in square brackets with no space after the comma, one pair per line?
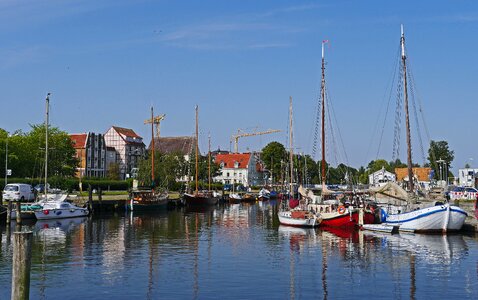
[129,148]
[381,177]
[239,168]
[466,177]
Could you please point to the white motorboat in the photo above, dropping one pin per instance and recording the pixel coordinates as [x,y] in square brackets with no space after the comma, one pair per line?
[438,218]
[264,194]
[60,210]
[299,218]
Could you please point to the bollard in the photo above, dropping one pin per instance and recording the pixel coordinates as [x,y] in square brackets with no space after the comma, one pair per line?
[19,213]
[9,212]
[100,197]
[361,215]
[90,199]
[22,246]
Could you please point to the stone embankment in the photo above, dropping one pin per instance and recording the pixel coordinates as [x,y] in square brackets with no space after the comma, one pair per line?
[471,224]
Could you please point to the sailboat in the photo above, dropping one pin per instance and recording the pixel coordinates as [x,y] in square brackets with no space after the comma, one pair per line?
[54,205]
[441,217]
[297,214]
[150,199]
[199,198]
[332,212]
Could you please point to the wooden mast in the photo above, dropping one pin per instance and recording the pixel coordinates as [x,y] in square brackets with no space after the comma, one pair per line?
[209,161]
[407,121]
[197,150]
[46,141]
[291,153]
[152,147]
[322,89]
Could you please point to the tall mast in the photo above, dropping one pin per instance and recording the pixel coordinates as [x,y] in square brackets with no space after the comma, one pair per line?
[407,121]
[291,153]
[322,89]
[197,150]
[46,141]
[152,147]
[209,160]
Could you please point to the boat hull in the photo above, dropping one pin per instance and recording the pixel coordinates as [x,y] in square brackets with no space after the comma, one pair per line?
[286,218]
[48,214]
[199,200]
[148,206]
[345,220]
[439,218]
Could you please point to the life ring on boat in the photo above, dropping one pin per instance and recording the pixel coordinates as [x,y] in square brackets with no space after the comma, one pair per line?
[46,212]
[341,209]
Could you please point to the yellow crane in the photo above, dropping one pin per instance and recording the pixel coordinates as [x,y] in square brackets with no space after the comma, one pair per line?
[240,134]
[156,121]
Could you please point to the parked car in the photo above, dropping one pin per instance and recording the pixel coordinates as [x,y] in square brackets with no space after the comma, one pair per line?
[18,192]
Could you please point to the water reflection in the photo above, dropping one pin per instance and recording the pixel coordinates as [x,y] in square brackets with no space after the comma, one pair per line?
[240,251]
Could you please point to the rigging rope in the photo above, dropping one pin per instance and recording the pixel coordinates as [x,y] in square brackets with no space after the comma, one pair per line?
[415,113]
[398,117]
[391,85]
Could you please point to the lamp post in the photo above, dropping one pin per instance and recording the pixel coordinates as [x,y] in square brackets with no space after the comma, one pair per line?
[6,159]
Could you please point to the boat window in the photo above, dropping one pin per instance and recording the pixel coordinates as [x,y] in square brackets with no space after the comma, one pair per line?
[11,188]
[64,205]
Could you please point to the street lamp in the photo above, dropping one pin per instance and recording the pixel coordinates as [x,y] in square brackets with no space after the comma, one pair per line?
[7,171]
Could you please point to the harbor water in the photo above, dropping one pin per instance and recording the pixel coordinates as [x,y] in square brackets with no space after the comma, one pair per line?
[236,252]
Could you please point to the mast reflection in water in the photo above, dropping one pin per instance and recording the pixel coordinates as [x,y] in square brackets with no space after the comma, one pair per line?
[236,252]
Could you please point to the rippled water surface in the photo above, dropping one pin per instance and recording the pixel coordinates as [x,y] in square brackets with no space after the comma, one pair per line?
[237,252]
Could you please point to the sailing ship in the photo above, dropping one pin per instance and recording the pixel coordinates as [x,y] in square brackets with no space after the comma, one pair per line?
[149,199]
[199,198]
[332,212]
[441,217]
[292,213]
[54,205]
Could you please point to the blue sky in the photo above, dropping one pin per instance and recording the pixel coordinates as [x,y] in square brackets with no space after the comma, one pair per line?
[106,62]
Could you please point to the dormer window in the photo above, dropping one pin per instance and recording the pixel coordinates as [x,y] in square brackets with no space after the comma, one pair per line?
[236,164]
[222,164]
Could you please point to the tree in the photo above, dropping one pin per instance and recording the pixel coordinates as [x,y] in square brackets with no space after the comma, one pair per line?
[113,171]
[274,156]
[439,151]
[26,152]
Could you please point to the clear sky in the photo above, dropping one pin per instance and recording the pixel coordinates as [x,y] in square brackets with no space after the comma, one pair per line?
[106,62]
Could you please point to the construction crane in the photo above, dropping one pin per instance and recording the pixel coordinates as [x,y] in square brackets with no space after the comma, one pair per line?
[157,122]
[244,134]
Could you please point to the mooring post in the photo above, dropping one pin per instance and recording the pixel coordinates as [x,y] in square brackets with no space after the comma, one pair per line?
[22,246]
[90,199]
[100,198]
[361,214]
[19,213]
[9,212]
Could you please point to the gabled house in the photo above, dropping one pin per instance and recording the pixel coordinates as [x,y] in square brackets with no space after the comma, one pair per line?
[421,176]
[91,153]
[129,149]
[239,168]
[182,145]
[381,177]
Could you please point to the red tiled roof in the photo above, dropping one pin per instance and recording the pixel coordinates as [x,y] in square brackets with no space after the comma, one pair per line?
[126,132]
[79,140]
[230,159]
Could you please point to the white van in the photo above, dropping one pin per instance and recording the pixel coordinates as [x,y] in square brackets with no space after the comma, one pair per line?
[18,191]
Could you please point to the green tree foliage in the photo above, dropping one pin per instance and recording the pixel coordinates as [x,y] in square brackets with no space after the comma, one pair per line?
[274,156]
[26,152]
[167,169]
[439,150]
[113,172]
